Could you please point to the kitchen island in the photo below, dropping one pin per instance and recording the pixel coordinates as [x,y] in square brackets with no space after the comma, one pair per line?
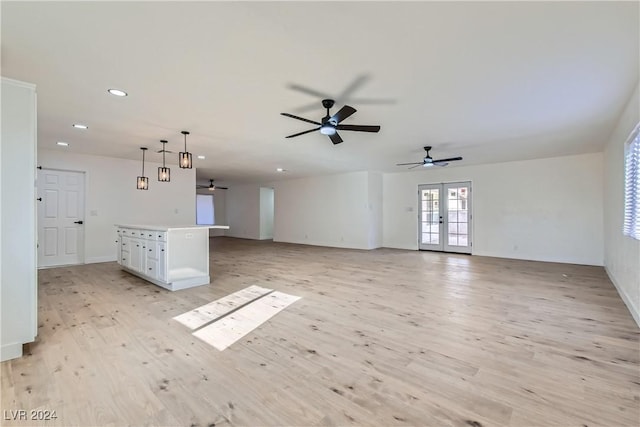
[173,257]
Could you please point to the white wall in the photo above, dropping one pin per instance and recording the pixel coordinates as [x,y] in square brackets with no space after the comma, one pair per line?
[243,211]
[18,276]
[621,253]
[546,209]
[325,211]
[266,213]
[112,197]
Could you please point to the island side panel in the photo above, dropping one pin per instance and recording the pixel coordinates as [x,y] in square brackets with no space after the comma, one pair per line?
[188,255]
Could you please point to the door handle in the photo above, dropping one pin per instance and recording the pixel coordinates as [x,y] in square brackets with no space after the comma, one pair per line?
[78,222]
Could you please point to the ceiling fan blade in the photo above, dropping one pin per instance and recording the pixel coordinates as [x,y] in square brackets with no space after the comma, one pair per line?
[353,86]
[301,118]
[373,101]
[302,133]
[308,107]
[413,167]
[308,91]
[221,188]
[407,164]
[450,159]
[335,138]
[359,128]
[343,113]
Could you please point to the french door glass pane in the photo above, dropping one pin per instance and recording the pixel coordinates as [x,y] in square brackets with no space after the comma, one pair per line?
[430,216]
[457,215]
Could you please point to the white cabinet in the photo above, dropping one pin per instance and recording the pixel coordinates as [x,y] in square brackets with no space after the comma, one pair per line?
[172,257]
[18,261]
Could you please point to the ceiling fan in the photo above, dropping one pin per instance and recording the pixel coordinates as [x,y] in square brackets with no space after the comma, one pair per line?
[211,186]
[330,125]
[429,162]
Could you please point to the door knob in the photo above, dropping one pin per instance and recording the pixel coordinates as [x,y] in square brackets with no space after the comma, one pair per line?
[78,222]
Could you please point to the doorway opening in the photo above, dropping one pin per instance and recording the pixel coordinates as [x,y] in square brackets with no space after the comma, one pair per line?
[266,213]
[445,219]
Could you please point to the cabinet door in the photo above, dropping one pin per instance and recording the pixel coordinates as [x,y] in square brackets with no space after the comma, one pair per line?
[162,261]
[136,255]
[151,249]
[118,246]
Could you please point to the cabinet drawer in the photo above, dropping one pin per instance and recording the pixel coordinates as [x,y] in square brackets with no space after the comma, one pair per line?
[151,270]
[125,243]
[124,258]
[152,250]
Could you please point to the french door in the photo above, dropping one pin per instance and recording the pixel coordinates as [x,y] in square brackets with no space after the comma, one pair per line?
[60,217]
[444,221]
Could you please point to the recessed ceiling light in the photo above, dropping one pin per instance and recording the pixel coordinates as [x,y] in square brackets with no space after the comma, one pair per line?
[280,170]
[62,144]
[201,157]
[117,92]
[80,126]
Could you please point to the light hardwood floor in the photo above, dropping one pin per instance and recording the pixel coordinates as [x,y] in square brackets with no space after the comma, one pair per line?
[384,337]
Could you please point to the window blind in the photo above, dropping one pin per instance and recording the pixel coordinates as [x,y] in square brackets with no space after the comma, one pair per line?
[631,225]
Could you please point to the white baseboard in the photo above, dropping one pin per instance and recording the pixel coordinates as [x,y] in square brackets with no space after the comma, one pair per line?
[635,312]
[97,259]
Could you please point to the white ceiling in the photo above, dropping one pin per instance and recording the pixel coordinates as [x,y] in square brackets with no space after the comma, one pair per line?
[487,81]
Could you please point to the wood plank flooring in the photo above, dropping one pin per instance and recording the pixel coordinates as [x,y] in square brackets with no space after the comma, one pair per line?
[384,338]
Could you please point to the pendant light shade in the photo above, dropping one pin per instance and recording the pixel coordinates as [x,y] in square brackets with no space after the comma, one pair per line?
[184,158]
[142,183]
[164,173]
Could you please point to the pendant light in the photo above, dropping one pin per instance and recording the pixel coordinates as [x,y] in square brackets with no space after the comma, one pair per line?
[142,182]
[184,158]
[164,173]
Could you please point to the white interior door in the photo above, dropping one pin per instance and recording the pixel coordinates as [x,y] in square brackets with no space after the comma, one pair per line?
[60,217]
[445,217]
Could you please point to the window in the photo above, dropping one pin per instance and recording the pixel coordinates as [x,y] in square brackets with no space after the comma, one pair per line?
[632,185]
[205,213]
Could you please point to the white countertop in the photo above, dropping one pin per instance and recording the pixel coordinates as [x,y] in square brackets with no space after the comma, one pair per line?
[171,227]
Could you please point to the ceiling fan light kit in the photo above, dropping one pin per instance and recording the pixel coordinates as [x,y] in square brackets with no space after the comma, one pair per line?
[330,125]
